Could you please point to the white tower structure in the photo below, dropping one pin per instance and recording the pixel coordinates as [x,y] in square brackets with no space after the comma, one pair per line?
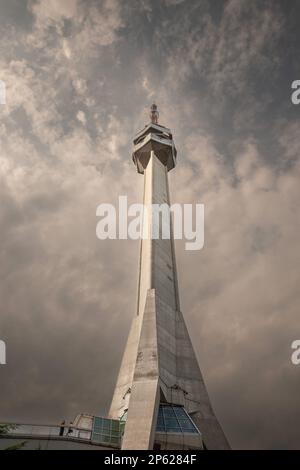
[160,390]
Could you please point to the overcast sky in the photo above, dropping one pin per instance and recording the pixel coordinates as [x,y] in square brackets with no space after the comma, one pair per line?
[80,76]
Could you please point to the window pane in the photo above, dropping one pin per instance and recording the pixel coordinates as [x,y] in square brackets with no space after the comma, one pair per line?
[186,424]
[168,412]
[174,419]
[174,429]
[180,412]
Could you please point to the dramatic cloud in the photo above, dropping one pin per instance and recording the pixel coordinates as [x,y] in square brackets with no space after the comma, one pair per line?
[54,10]
[80,76]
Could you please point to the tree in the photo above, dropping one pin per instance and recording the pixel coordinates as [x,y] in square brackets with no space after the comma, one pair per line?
[4,430]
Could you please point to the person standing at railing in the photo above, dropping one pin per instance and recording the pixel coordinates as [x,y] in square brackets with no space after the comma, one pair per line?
[62,428]
[70,431]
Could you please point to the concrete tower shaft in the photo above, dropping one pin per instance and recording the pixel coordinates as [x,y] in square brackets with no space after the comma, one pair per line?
[159,364]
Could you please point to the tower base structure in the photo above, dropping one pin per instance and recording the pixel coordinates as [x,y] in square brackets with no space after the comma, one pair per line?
[164,410]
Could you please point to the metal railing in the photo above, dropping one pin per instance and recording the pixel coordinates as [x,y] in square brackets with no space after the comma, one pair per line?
[103,432]
[39,431]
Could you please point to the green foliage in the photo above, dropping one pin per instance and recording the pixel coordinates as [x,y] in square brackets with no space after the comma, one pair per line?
[5,429]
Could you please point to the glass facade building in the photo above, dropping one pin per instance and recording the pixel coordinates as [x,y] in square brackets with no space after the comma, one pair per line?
[174,419]
[107,431]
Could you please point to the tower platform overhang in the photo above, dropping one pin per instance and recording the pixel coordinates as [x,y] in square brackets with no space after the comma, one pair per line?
[161,144]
